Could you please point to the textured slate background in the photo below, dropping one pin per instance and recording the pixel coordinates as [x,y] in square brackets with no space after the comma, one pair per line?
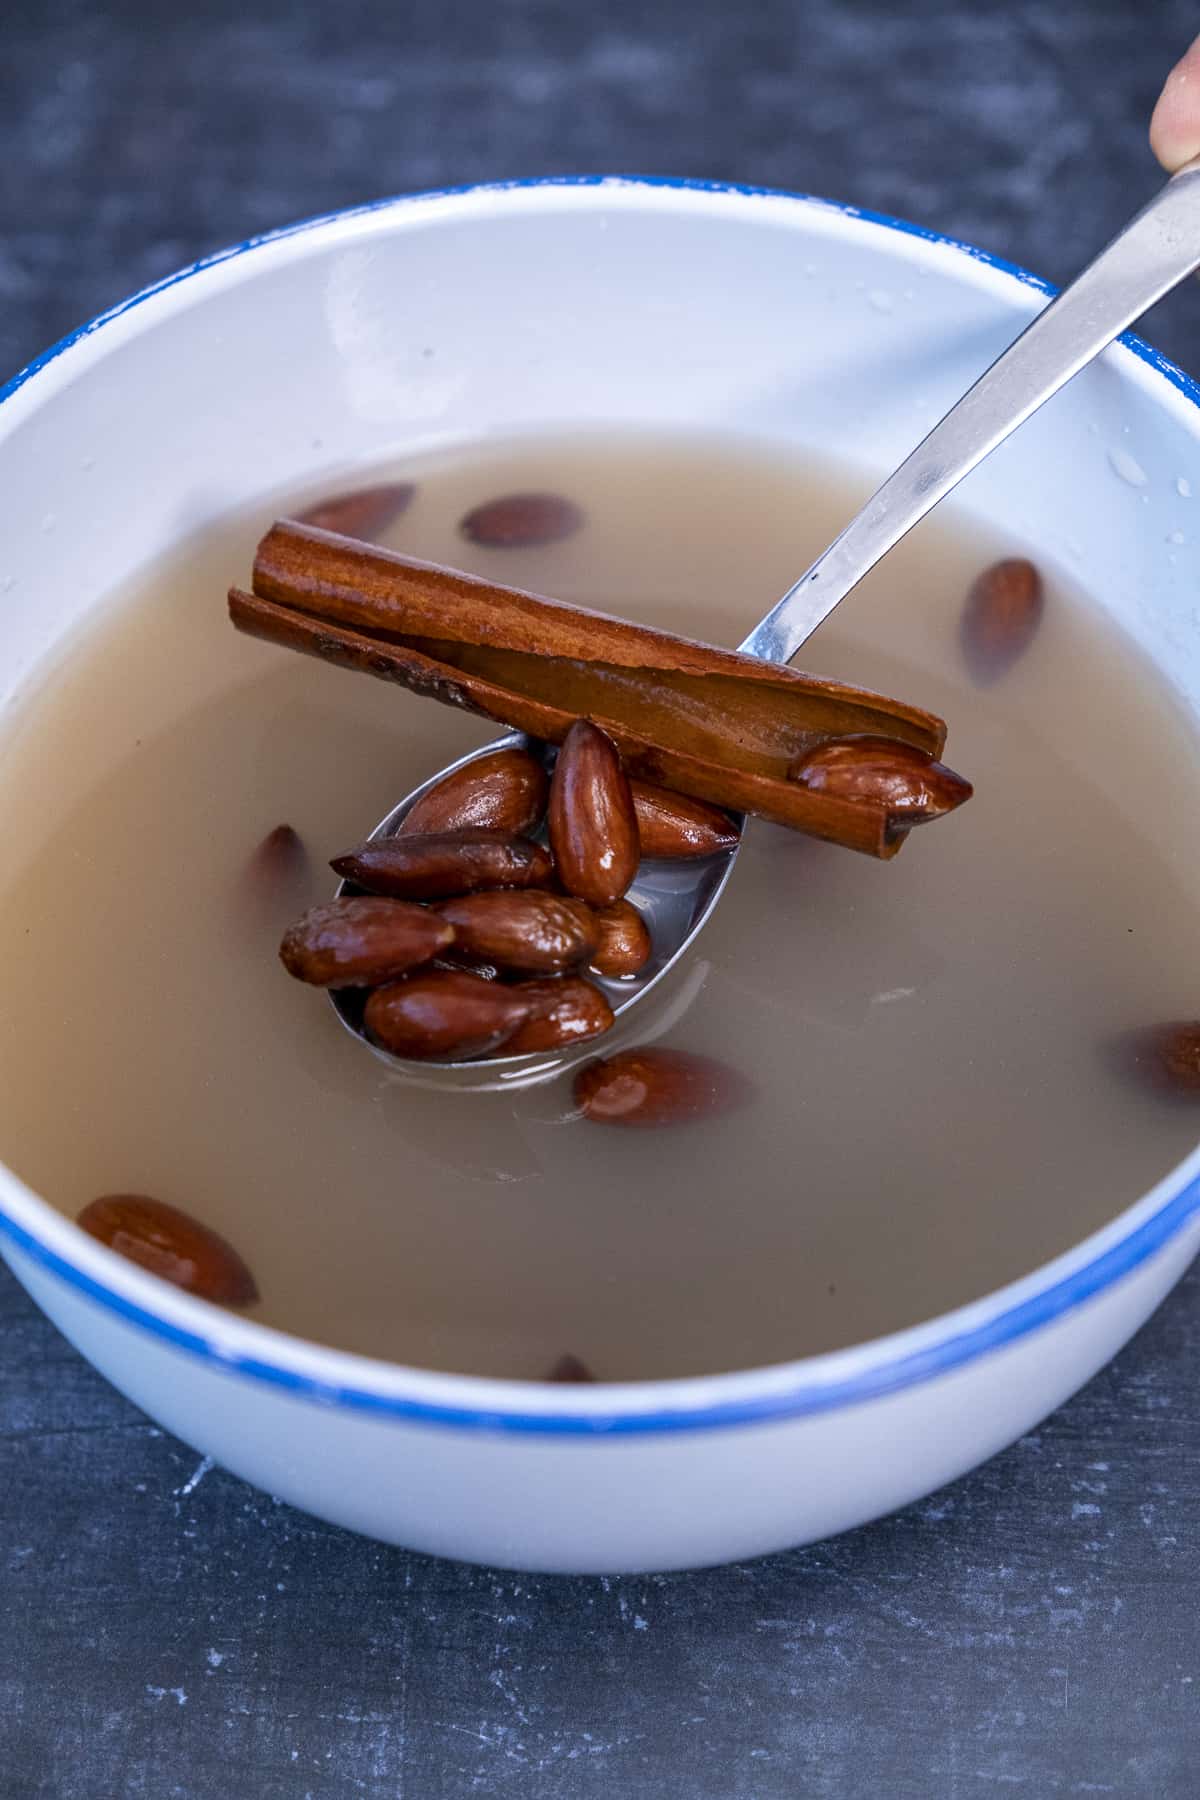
[164,1631]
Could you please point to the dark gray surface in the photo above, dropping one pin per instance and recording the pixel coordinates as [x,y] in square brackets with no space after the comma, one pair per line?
[1030,1631]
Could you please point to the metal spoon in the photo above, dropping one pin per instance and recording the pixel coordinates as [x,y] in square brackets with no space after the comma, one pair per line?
[1155,251]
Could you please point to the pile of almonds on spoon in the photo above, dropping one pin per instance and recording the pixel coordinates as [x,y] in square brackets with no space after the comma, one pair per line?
[476,940]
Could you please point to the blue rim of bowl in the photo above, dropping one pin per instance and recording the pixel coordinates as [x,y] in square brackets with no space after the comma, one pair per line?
[960,1346]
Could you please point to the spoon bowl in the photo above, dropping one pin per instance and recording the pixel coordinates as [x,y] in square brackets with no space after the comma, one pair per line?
[676,899]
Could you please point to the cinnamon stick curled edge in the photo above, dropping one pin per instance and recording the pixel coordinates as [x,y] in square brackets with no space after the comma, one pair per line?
[687,715]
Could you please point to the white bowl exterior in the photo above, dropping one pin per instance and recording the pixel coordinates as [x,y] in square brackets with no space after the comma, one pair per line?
[440,319]
[612,1504]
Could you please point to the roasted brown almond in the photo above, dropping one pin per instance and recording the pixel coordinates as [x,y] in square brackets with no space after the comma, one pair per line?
[565,1009]
[540,933]
[592,823]
[1166,1056]
[444,1013]
[273,883]
[1003,610]
[280,856]
[362,941]
[171,1244]
[570,1368]
[653,1087]
[522,521]
[433,865]
[879,770]
[362,514]
[504,792]
[675,827]
[624,944]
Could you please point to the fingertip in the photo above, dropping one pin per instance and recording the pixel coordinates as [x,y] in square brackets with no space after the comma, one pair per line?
[1175,124]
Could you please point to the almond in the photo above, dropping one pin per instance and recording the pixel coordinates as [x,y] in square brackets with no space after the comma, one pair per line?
[445,1013]
[364,513]
[522,521]
[908,781]
[654,1087]
[541,933]
[171,1244]
[592,824]
[570,1368]
[432,865]
[1166,1056]
[274,881]
[565,1009]
[362,941]
[280,856]
[672,826]
[1003,610]
[504,792]
[624,940]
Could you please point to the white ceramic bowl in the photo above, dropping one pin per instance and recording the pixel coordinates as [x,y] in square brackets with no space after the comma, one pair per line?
[426,320]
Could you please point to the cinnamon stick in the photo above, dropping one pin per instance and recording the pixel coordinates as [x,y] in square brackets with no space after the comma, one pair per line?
[690,716]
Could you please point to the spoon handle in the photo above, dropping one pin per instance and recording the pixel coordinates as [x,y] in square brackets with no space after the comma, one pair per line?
[1155,251]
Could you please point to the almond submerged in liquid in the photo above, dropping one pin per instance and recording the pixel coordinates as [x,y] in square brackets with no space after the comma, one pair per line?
[922,1039]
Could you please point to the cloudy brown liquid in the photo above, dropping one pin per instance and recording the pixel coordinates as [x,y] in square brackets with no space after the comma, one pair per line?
[933,1111]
